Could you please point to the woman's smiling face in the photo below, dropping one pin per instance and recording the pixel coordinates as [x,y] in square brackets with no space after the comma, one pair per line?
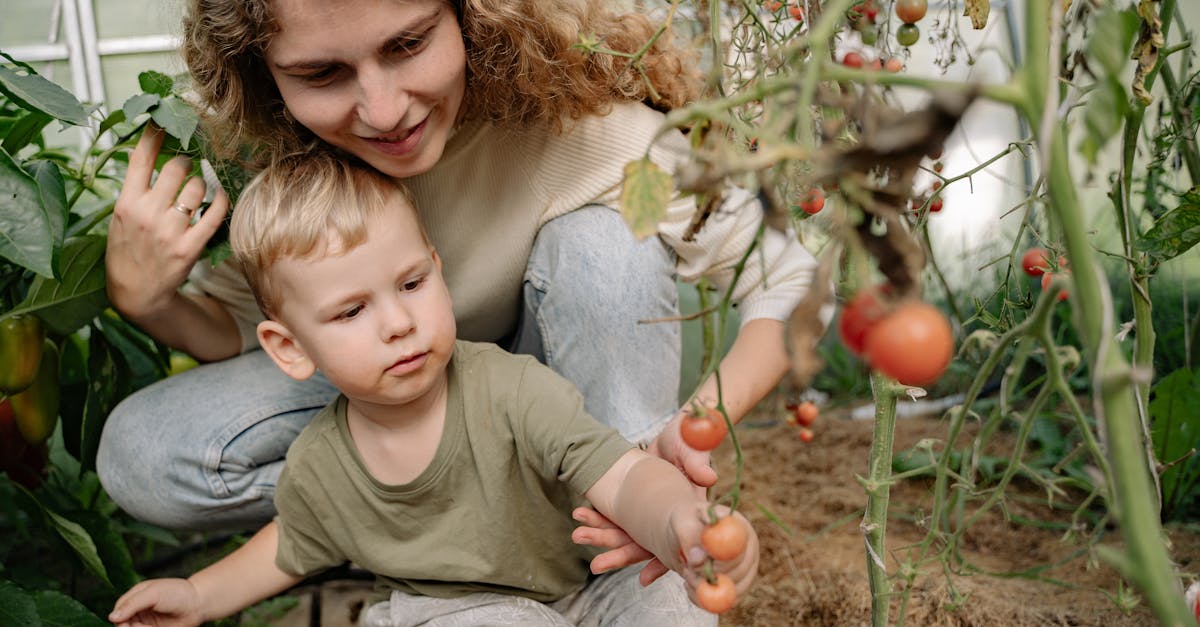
[380,79]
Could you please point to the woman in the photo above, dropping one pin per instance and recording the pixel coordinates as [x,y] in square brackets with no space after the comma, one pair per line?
[513,143]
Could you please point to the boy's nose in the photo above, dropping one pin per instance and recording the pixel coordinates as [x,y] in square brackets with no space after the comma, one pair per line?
[397,322]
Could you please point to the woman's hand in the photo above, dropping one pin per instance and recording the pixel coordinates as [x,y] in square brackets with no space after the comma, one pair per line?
[597,530]
[152,241]
[695,464]
[158,603]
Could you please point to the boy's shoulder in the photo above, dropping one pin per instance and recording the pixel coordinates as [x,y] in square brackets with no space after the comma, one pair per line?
[319,430]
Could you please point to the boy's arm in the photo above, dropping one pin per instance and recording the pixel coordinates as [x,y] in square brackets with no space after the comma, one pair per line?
[656,505]
[237,581]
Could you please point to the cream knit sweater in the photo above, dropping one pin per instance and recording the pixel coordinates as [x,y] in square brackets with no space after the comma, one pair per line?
[483,203]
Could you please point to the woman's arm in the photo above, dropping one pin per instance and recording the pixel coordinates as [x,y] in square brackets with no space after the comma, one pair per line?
[239,580]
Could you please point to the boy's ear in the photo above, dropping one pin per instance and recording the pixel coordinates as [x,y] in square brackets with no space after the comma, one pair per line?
[278,341]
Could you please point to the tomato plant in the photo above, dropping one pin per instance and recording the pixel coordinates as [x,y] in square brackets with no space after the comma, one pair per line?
[716,596]
[911,11]
[907,34]
[813,201]
[913,344]
[20,352]
[806,413]
[725,539]
[704,431]
[1035,261]
[1047,277]
[860,314]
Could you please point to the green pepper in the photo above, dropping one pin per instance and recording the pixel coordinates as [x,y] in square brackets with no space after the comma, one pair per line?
[36,409]
[20,352]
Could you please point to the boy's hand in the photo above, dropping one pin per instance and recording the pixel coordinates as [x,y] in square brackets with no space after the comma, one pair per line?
[159,603]
[688,525]
[597,530]
[695,464]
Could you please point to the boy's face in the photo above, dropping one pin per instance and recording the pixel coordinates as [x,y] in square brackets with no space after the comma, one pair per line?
[376,320]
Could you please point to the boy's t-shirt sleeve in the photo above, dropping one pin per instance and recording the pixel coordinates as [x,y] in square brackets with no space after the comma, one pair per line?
[568,443]
[304,548]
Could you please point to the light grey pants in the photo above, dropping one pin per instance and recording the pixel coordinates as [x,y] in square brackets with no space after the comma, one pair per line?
[613,599]
[203,449]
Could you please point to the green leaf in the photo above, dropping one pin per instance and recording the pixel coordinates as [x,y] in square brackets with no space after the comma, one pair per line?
[17,608]
[53,192]
[153,82]
[108,383]
[1175,432]
[59,610]
[72,533]
[178,118]
[111,547]
[1106,107]
[1111,40]
[139,104]
[113,119]
[644,196]
[34,93]
[25,227]
[67,304]
[1177,231]
[27,128]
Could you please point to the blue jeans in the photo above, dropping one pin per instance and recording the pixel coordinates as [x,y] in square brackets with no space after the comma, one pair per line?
[203,449]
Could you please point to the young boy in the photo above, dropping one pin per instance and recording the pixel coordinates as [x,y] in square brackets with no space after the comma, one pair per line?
[447,468]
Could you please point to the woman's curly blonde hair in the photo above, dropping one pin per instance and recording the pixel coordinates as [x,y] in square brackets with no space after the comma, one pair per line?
[523,68]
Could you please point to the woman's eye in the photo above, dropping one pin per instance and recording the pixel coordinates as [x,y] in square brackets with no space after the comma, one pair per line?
[319,77]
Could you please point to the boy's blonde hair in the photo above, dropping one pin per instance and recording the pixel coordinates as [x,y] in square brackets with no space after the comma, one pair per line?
[523,68]
[305,204]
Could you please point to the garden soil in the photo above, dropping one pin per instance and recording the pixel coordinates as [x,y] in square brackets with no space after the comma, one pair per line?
[806,503]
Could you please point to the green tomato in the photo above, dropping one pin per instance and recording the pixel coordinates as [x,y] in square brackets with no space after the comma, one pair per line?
[907,34]
[20,351]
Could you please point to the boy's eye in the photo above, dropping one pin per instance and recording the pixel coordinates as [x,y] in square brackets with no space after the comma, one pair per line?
[412,285]
[350,313]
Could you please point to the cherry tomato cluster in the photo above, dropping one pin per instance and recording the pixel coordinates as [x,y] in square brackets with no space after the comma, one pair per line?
[723,540]
[1036,263]
[803,414]
[911,343]
[910,12]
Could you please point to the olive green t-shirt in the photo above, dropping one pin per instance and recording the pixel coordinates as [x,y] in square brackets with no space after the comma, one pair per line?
[491,512]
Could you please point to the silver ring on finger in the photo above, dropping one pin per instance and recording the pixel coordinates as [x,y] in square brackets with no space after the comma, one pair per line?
[184,209]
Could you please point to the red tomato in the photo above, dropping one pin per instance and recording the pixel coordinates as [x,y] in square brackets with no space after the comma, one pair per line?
[717,596]
[936,205]
[814,201]
[1035,261]
[806,435]
[852,59]
[725,539]
[772,5]
[913,344]
[703,432]
[806,413]
[859,315]
[911,11]
[1047,277]
[796,12]
[893,64]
